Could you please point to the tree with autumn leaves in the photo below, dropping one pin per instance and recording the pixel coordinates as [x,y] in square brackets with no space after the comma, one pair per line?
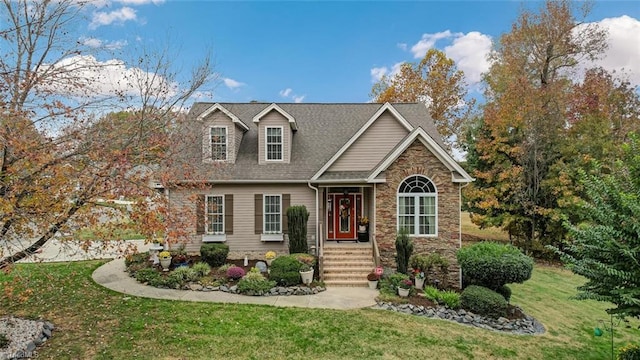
[437,82]
[64,147]
[543,120]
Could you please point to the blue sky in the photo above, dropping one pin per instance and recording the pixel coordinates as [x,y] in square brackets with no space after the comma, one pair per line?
[328,51]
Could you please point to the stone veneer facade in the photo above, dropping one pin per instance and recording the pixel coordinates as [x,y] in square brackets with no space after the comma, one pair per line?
[418,160]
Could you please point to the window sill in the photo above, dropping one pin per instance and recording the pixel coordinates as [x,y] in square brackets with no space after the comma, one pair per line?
[214,238]
[271,237]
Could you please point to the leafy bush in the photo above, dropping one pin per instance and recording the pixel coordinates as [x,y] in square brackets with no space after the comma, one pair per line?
[305,258]
[165,281]
[390,284]
[184,274]
[431,293]
[285,270]
[138,258]
[235,272]
[483,301]
[492,265]
[450,298]
[223,269]
[297,217]
[214,254]
[629,352]
[146,275]
[404,248]
[202,269]
[505,291]
[255,283]
[431,264]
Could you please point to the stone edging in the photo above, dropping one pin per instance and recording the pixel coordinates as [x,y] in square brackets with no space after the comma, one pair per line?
[526,326]
[275,291]
[24,336]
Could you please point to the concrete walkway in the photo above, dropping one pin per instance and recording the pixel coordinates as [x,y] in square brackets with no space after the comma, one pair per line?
[112,275]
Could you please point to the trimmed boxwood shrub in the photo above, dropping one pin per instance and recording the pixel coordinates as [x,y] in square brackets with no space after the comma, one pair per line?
[285,270]
[214,254]
[493,265]
[505,291]
[254,282]
[483,301]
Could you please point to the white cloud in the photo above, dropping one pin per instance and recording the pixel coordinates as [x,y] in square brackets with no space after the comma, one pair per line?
[428,41]
[97,43]
[140,2]
[623,53]
[470,51]
[103,78]
[286,92]
[378,72]
[232,84]
[402,46]
[101,18]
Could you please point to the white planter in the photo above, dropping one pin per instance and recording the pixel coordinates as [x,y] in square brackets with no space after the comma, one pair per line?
[165,263]
[269,261]
[403,292]
[307,276]
[419,283]
[373,284]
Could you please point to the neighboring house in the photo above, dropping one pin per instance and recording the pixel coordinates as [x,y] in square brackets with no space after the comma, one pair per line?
[342,161]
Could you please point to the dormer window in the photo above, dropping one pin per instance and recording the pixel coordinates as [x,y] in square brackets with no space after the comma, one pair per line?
[273,143]
[218,143]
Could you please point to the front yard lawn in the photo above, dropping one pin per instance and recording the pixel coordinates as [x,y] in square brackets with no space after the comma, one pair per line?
[95,323]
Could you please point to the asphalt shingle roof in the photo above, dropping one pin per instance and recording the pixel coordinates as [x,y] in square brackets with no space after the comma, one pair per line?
[322,130]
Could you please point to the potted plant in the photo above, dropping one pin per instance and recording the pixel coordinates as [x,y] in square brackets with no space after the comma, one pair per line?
[363,222]
[404,287]
[373,280]
[306,272]
[165,260]
[419,278]
[269,256]
[181,259]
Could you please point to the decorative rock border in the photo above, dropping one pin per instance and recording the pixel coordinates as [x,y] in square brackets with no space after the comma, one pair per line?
[526,326]
[24,336]
[275,291]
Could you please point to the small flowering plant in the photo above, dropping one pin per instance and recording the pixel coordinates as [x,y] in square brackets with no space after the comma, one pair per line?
[270,255]
[418,274]
[164,255]
[405,284]
[364,220]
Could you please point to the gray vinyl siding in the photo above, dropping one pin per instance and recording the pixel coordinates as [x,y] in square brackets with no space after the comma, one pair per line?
[372,146]
[238,139]
[218,118]
[274,118]
[243,238]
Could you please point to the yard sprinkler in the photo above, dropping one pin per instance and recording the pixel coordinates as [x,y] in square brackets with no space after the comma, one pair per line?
[608,328]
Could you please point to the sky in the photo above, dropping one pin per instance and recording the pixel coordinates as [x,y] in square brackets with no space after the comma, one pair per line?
[326,51]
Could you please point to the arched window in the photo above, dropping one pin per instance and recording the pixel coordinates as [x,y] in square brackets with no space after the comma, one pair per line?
[417,206]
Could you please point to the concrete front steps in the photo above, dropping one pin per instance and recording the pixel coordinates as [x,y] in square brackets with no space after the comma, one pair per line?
[347,264]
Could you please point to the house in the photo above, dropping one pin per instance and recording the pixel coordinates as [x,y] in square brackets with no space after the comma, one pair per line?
[342,161]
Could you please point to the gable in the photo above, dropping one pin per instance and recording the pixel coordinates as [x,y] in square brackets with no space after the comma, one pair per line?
[373,145]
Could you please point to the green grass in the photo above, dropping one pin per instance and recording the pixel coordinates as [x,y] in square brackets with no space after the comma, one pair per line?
[96,323]
[471,229]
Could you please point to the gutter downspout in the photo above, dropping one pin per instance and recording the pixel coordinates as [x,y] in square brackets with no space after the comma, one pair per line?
[460,223]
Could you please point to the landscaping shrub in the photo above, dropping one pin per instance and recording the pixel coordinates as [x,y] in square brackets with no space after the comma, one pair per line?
[431,264]
[505,291]
[492,265]
[404,248]
[390,284]
[165,281]
[255,283]
[202,269]
[184,274]
[629,352]
[431,293]
[223,269]
[235,272]
[305,258]
[138,258]
[214,254]
[449,298]
[285,270]
[297,217]
[483,301]
[146,275]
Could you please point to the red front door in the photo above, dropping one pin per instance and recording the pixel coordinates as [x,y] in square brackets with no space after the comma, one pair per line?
[344,219]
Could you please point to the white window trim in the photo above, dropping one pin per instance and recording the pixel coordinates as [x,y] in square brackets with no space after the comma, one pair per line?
[416,204]
[226,143]
[264,216]
[266,144]
[207,238]
[206,215]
